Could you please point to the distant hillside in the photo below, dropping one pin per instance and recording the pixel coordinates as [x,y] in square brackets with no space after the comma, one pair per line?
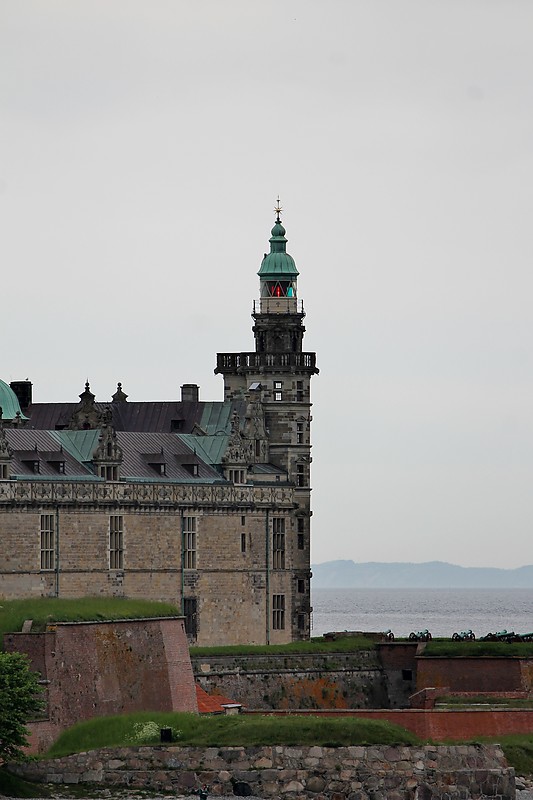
[431,574]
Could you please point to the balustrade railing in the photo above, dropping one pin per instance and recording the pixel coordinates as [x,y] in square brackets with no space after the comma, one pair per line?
[228,362]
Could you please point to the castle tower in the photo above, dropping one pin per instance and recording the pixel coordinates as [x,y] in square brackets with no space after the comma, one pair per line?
[280,372]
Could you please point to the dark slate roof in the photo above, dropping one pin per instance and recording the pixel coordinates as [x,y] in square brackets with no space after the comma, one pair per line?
[143,455]
[142,450]
[152,416]
[29,446]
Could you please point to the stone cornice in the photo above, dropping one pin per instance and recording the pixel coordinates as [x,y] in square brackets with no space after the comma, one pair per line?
[140,495]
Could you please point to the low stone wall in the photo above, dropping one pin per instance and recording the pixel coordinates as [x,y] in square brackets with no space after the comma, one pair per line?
[323,773]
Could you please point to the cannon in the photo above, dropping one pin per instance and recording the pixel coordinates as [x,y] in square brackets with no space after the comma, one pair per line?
[524,637]
[501,636]
[389,636]
[464,636]
[420,636]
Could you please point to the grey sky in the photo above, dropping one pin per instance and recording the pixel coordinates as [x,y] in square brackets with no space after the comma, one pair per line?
[142,146]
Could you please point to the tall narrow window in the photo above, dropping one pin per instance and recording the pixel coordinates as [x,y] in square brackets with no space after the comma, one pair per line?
[301,531]
[299,391]
[190,611]
[243,543]
[278,390]
[278,612]
[48,553]
[299,433]
[300,475]
[189,542]
[278,543]
[116,542]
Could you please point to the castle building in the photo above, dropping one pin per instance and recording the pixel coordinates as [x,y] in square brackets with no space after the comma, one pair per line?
[204,504]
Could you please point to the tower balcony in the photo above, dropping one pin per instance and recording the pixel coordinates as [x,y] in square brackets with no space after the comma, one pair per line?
[278,305]
[240,363]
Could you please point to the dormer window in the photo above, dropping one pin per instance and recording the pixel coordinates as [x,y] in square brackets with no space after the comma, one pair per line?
[4,472]
[109,472]
[237,475]
[193,469]
[34,465]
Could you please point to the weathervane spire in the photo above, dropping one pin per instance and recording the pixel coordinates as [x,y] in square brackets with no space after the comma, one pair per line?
[278,210]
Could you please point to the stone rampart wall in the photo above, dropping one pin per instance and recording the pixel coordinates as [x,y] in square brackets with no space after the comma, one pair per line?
[332,680]
[295,773]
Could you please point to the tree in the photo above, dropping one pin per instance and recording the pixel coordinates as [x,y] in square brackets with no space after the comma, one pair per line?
[20,700]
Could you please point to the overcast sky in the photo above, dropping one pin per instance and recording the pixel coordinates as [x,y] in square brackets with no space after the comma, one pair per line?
[142,148]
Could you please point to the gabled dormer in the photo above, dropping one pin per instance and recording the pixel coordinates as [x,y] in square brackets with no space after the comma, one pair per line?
[6,453]
[85,416]
[107,457]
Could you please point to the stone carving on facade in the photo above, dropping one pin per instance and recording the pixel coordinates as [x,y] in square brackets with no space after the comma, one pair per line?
[119,396]
[108,450]
[86,416]
[6,453]
[239,449]
[254,427]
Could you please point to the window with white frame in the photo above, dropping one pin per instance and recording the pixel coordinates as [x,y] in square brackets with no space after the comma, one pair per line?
[48,549]
[278,543]
[116,542]
[278,390]
[189,542]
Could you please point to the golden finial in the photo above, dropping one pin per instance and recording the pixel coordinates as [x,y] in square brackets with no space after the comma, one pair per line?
[278,210]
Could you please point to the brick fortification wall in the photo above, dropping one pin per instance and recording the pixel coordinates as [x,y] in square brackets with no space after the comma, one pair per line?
[323,773]
[97,669]
[440,724]
[475,675]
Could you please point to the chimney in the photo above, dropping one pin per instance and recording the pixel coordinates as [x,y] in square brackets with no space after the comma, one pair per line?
[190,393]
[23,390]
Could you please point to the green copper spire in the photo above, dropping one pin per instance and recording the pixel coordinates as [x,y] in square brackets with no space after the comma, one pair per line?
[278,266]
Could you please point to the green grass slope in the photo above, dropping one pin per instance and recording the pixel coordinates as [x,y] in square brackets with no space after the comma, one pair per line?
[216,731]
[48,610]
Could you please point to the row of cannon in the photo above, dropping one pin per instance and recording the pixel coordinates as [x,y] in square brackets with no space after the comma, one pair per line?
[467,636]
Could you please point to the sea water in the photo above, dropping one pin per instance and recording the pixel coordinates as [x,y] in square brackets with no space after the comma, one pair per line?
[442,611]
